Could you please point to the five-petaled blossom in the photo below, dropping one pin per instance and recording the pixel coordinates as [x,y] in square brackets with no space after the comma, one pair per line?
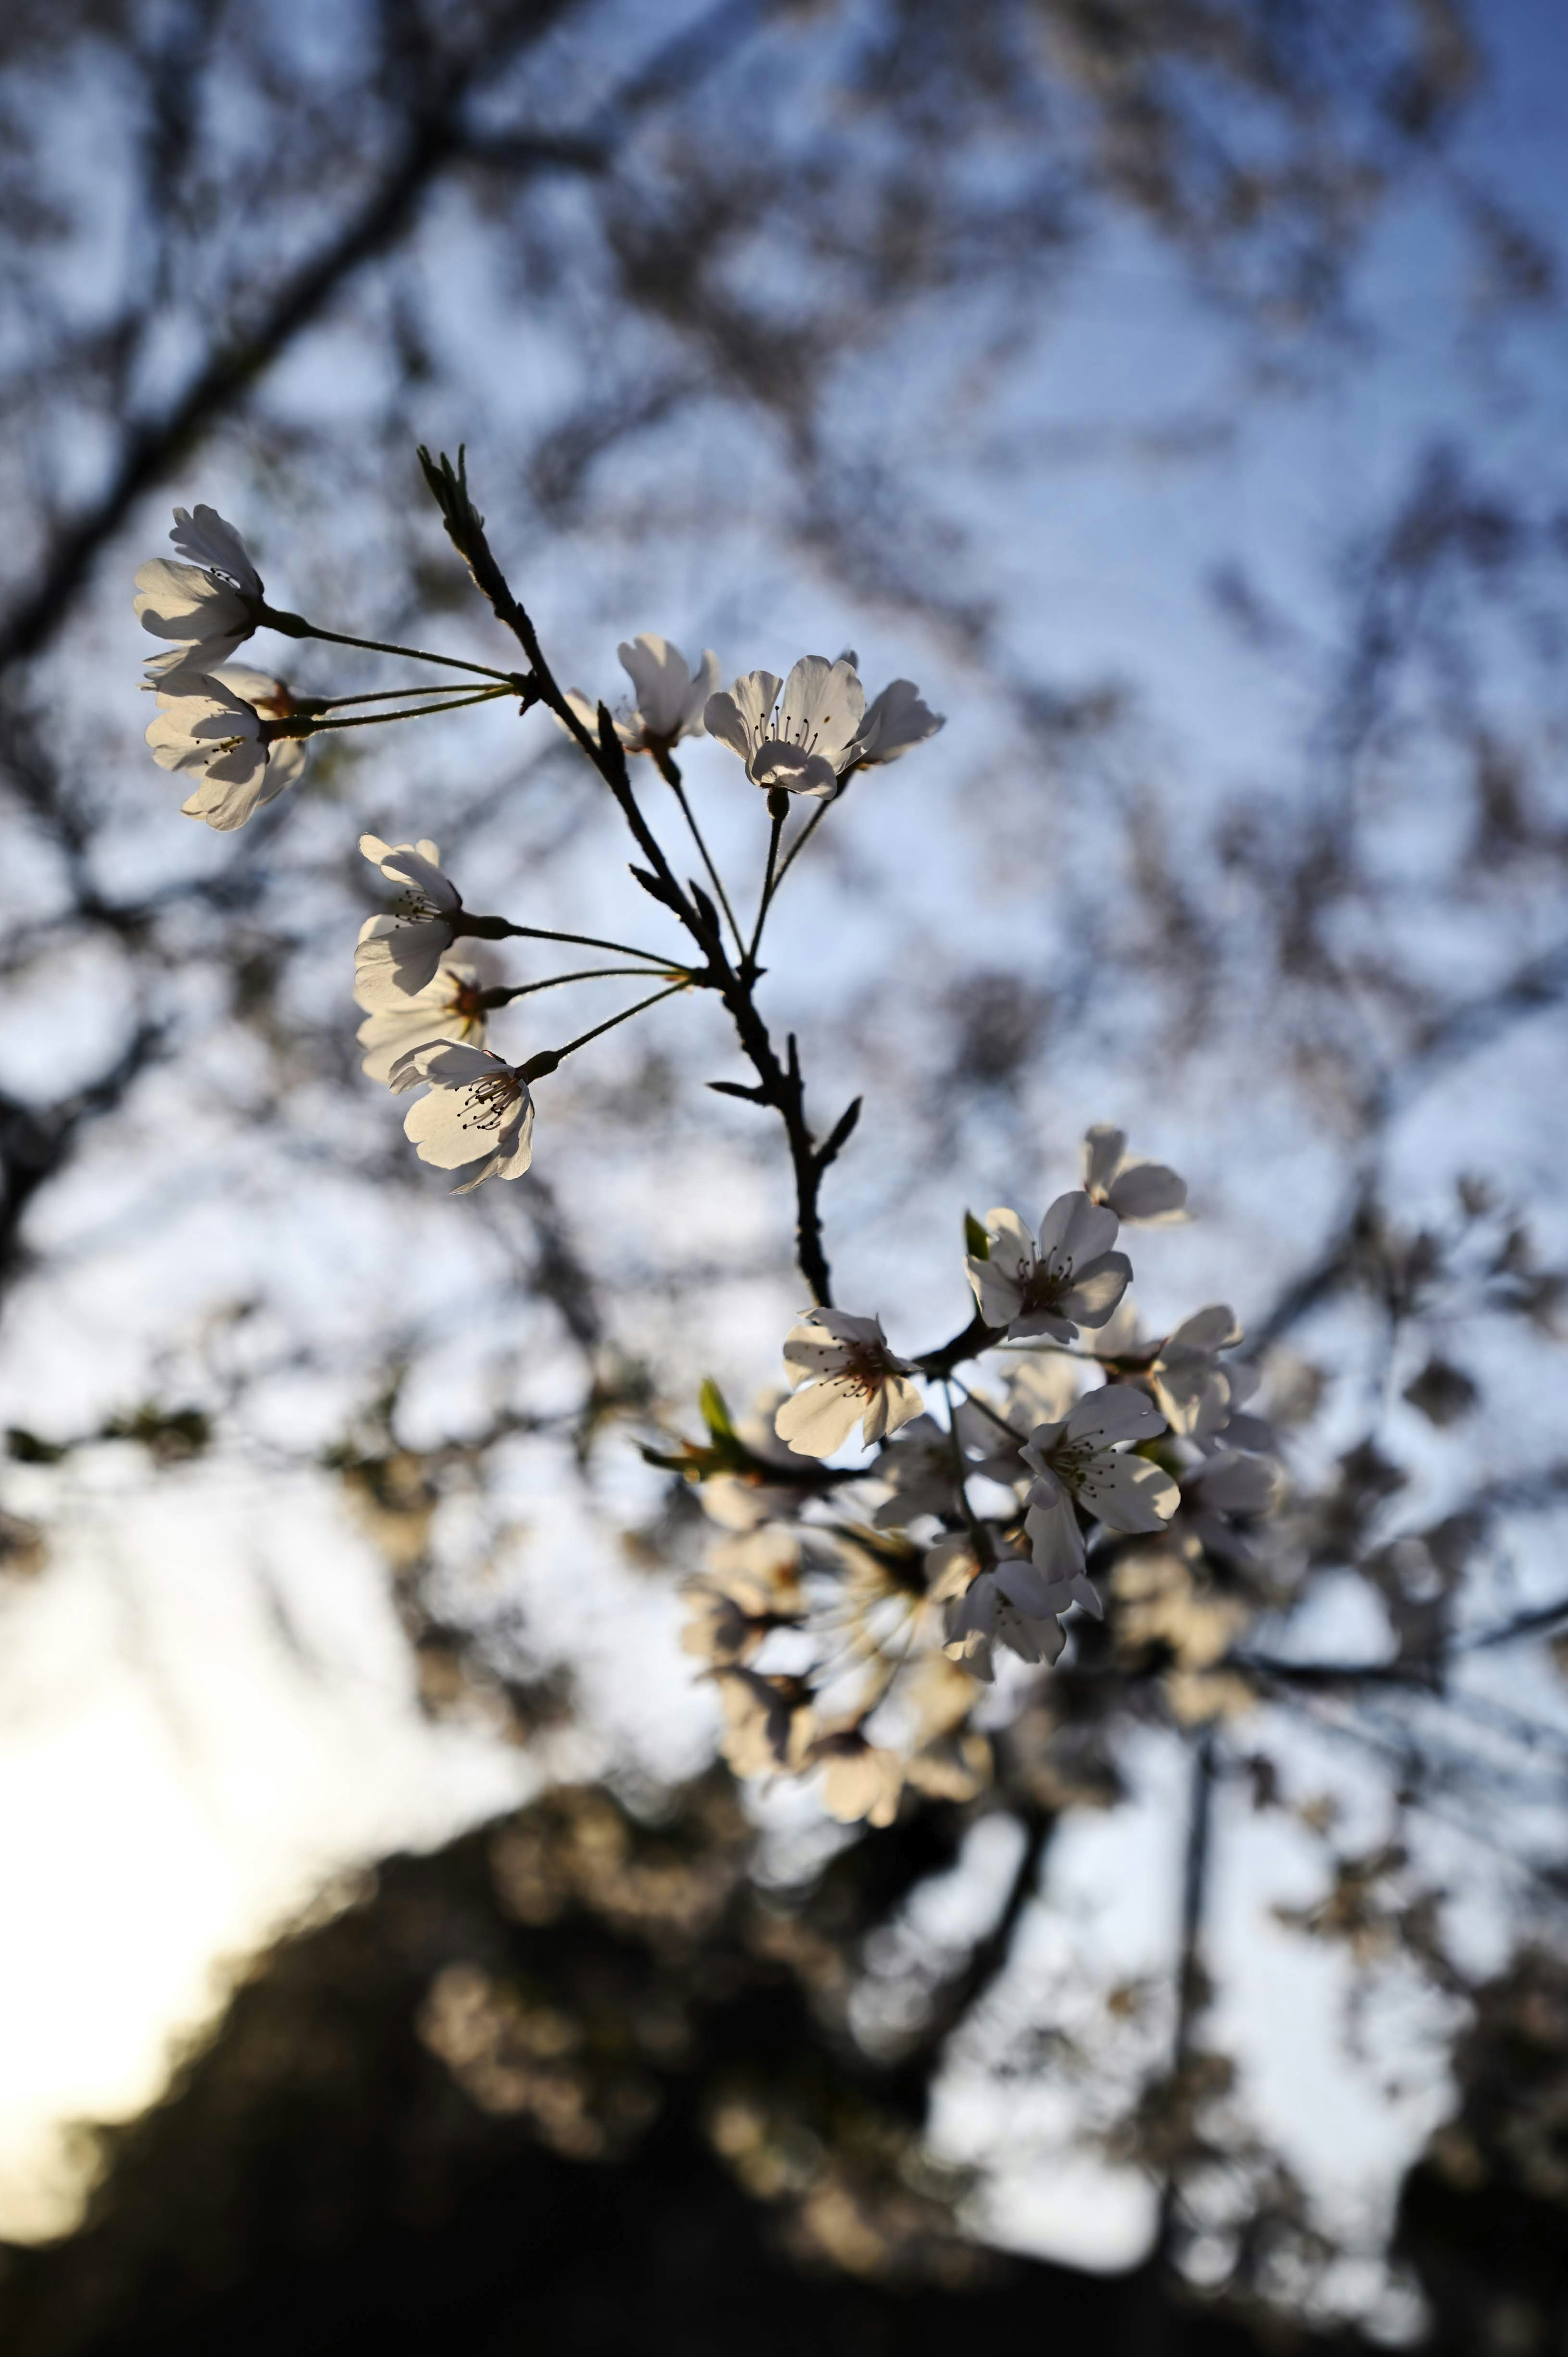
[802,741]
[478,1104]
[671,696]
[847,1376]
[1012,1604]
[450,1008]
[209,605]
[1132,1188]
[1076,1463]
[214,727]
[407,942]
[1071,1279]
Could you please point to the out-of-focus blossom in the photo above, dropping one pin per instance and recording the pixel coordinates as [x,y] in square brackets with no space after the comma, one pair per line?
[922,1469]
[859,1779]
[740,1502]
[751,1587]
[802,741]
[1070,1279]
[847,1375]
[1222,1496]
[671,696]
[477,1105]
[769,1723]
[1012,1604]
[450,1007]
[209,605]
[1193,1390]
[1077,1462]
[406,943]
[1134,1189]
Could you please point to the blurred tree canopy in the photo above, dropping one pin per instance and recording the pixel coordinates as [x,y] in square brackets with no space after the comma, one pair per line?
[747,315]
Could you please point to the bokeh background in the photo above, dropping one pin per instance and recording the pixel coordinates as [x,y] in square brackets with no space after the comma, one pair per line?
[1174,390]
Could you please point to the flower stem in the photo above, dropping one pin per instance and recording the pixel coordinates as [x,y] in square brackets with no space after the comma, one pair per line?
[584,1037]
[767,888]
[498,928]
[504,996]
[510,679]
[275,728]
[800,840]
[671,777]
[373,696]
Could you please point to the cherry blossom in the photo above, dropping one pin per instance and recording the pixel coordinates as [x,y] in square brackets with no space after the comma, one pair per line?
[477,1105]
[1070,1279]
[214,727]
[1193,1390]
[1149,1192]
[1075,1462]
[769,1722]
[209,605]
[802,741]
[1011,1604]
[894,722]
[922,1470]
[847,1376]
[450,1008]
[751,1586]
[408,941]
[859,1779]
[671,696]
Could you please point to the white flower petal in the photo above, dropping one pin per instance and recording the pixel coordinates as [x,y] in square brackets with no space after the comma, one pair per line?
[1076,1230]
[1128,1493]
[1206,1331]
[1097,1289]
[737,716]
[894,721]
[1103,1147]
[1054,1539]
[205,537]
[1115,1411]
[820,1416]
[1146,1190]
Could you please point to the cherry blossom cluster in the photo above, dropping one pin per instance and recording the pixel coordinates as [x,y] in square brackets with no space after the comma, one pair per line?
[851,1613]
[241,735]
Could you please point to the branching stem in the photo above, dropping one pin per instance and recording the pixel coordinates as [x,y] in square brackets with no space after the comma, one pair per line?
[779,1084]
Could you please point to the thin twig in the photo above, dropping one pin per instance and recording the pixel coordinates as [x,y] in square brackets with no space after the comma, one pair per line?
[502,996]
[775,830]
[380,719]
[800,841]
[625,1017]
[779,1085]
[508,680]
[672,776]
